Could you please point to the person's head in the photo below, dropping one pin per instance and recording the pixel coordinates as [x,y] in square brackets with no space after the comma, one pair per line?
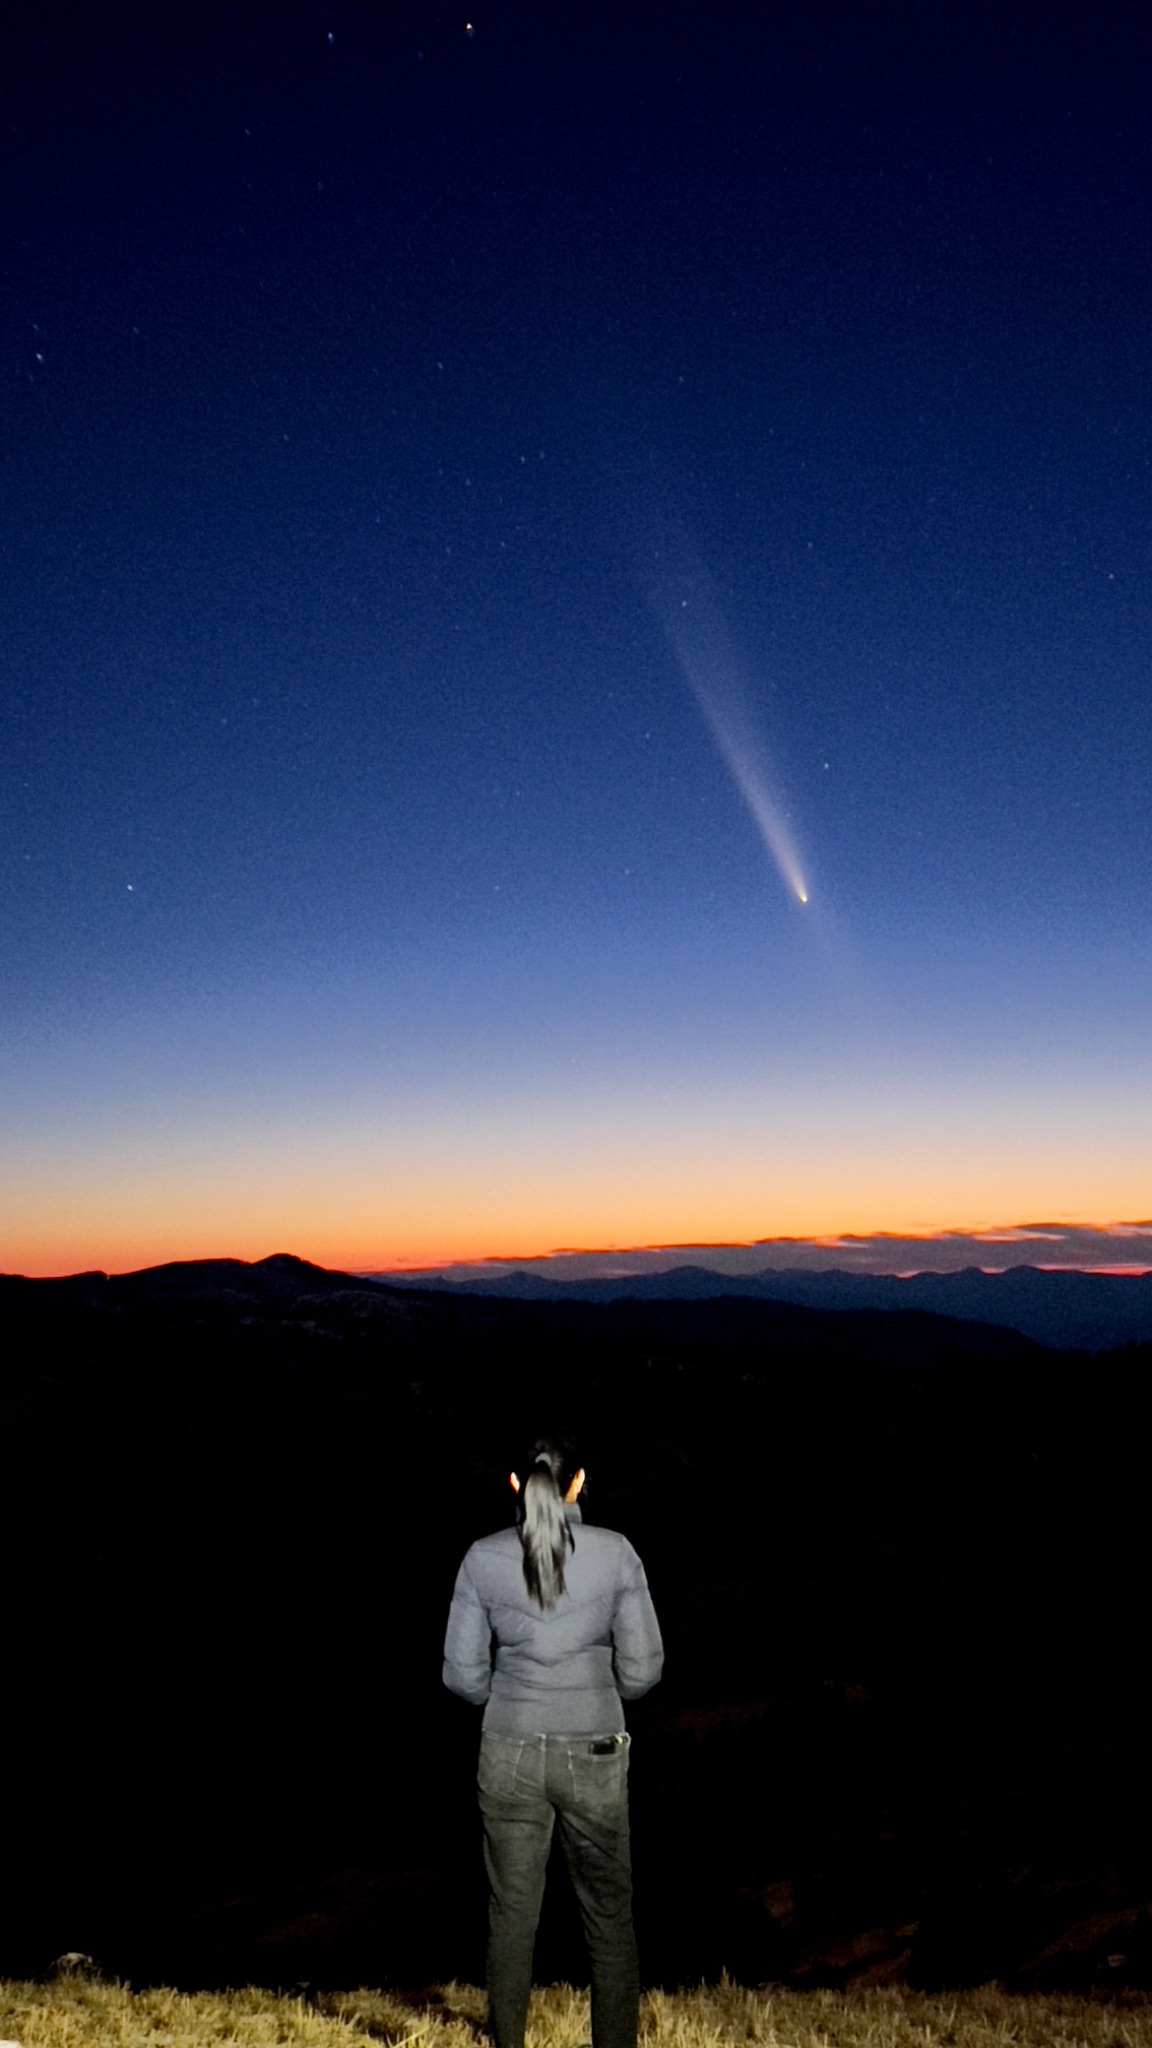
[547,1477]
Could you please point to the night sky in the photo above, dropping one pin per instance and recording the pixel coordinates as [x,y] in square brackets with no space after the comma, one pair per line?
[497,511]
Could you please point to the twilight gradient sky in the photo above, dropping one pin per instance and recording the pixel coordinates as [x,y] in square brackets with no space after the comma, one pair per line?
[495,512]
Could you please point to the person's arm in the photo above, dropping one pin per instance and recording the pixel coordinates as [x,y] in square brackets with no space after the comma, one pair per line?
[468,1643]
[637,1651]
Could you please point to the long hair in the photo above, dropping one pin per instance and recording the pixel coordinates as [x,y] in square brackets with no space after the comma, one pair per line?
[545,1531]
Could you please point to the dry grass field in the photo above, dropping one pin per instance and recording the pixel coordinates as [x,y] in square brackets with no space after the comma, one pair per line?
[77,2011]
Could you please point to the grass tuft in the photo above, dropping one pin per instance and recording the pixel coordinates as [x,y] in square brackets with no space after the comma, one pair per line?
[80,2011]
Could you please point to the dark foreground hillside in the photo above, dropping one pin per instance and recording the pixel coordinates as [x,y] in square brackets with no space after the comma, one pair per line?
[900,1561]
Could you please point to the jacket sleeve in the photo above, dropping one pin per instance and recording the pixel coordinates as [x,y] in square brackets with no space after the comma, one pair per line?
[637,1651]
[468,1643]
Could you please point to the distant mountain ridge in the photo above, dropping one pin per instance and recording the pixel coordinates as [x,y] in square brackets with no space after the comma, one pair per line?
[1061,1309]
[284,1291]
[1067,1310]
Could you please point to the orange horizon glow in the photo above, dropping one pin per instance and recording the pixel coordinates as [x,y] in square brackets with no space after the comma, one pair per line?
[374,1179]
[137,1251]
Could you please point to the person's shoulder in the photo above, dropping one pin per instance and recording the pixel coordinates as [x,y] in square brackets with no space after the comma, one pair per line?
[597,1530]
[490,1549]
[608,1541]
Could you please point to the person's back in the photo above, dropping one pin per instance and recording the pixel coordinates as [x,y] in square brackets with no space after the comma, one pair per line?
[557,1669]
[551,1627]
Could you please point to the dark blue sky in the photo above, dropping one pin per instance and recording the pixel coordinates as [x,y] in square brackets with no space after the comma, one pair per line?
[380,383]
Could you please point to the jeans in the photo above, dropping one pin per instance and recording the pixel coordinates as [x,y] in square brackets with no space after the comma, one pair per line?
[528,1782]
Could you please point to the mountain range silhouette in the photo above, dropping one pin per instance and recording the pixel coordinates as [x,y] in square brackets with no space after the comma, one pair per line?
[1067,1310]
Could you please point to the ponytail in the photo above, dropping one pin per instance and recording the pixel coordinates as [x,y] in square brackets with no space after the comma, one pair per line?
[545,1531]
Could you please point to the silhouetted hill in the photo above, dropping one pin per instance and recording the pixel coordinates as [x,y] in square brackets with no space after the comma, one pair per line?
[1070,1311]
[281,1277]
[900,1560]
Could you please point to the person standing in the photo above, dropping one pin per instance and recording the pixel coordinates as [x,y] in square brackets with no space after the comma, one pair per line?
[551,1628]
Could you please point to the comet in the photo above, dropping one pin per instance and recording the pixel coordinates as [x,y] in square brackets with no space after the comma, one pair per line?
[710,668]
